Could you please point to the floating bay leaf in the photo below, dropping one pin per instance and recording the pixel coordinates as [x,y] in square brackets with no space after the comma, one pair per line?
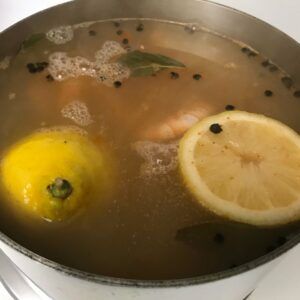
[146,64]
[32,40]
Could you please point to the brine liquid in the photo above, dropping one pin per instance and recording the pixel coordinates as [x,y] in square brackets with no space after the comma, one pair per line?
[149,227]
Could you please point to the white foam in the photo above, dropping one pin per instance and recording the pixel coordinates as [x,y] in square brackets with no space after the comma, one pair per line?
[109,50]
[62,66]
[60,35]
[78,112]
[5,62]
[159,158]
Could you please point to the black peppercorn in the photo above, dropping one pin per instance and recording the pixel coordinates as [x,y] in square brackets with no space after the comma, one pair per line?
[92,32]
[297,94]
[215,128]
[265,63]
[273,68]
[245,50]
[125,41]
[140,27]
[229,107]
[49,77]
[117,84]
[197,76]
[268,93]
[287,82]
[174,75]
[252,54]
[31,68]
[37,67]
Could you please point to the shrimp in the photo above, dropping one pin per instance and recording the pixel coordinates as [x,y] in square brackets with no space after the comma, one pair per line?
[175,126]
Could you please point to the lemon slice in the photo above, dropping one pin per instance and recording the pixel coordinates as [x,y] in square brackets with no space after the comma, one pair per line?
[243,166]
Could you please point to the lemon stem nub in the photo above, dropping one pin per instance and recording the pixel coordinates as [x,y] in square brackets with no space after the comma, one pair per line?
[60,188]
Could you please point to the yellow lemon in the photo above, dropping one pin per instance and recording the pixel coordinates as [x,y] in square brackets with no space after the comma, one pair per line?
[243,166]
[54,173]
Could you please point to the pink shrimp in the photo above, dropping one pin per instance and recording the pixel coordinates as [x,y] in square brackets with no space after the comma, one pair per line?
[175,126]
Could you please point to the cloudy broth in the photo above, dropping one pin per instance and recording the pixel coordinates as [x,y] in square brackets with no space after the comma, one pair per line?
[149,226]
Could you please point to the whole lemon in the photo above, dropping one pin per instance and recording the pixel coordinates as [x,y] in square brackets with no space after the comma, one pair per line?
[54,173]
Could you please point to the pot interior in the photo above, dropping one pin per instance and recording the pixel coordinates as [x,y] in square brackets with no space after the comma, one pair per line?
[149,228]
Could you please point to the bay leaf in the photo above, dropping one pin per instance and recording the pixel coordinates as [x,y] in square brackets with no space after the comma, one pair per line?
[146,64]
[32,40]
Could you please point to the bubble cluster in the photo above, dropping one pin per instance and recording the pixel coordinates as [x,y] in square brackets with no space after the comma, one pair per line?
[159,158]
[60,35]
[78,112]
[62,66]
[4,63]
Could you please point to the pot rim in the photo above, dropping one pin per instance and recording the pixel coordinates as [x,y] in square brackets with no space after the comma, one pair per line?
[253,264]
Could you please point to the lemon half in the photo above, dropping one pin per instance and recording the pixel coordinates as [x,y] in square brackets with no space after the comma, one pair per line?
[243,166]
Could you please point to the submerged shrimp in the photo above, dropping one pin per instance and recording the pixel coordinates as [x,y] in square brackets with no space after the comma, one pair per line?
[175,126]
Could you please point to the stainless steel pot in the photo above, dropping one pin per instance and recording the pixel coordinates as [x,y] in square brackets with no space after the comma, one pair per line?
[62,282]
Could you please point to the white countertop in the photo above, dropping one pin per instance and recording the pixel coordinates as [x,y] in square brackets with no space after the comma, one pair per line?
[283,282]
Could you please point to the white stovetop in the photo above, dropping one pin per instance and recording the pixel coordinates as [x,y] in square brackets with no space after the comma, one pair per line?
[283,282]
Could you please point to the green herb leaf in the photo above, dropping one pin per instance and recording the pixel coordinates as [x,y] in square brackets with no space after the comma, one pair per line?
[145,64]
[32,40]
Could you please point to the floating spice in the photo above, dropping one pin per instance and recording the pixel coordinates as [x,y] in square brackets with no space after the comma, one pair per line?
[140,27]
[125,41]
[117,84]
[229,107]
[92,32]
[252,54]
[37,67]
[273,68]
[268,93]
[215,128]
[174,75]
[197,76]
[297,94]
[119,32]
[265,63]
[249,52]
[146,64]
[49,78]
[287,82]
[245,50]
[117,24]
